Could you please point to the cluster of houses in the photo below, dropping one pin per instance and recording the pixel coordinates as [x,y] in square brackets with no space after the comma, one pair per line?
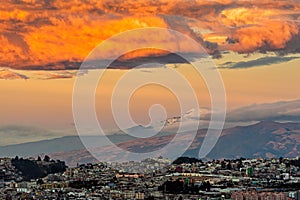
[159,178]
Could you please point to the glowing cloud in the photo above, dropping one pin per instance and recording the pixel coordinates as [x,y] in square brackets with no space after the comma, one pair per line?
[37,34]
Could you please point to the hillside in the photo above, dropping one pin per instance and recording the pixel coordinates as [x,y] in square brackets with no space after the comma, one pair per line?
[264,139]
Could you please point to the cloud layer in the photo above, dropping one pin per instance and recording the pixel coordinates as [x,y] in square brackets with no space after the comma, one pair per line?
[60,34]
[16,134]
[277,111]
[269,60]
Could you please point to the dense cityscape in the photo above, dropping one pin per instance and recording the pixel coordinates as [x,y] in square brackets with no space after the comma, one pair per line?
[185,178]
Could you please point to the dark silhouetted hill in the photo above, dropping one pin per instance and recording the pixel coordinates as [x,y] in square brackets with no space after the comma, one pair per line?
[33,169]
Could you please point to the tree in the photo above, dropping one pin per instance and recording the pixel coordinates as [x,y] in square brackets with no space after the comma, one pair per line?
[280,160]
[40,182]
[223,164]
[206,186]
[47,158]
[229,167]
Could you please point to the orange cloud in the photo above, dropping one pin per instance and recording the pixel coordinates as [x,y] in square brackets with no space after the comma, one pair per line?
[9,75]
[15,14]
[245,16]
[73,39]
[270,35]
[42,33]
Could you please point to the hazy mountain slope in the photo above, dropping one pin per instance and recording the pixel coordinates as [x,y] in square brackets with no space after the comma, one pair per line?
[264,139]
[63,144]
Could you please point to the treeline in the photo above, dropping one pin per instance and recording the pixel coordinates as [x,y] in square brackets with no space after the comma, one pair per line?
[35,169]
[184,186]
[182,160]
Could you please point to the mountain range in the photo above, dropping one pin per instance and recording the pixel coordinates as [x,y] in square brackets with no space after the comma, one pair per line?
[264,139]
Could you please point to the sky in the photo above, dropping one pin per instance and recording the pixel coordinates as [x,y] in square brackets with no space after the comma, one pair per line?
[255,46]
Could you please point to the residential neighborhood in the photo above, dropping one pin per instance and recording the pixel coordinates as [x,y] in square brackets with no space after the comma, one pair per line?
[158,178]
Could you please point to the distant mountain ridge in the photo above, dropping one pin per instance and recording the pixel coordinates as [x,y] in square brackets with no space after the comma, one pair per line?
[263,139]
[62,144]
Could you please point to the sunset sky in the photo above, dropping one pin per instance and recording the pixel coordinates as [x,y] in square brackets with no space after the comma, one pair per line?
[254,44]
